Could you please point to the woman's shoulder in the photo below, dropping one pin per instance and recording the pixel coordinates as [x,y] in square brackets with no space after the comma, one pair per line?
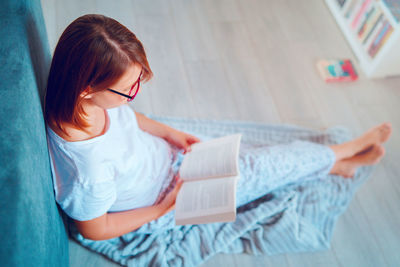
[70,133]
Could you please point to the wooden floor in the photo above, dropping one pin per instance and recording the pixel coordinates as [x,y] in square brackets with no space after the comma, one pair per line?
[255,60]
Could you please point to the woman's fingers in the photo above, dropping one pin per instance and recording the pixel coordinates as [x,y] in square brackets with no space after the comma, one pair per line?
[178,185]
[171,197]
[171,208]
[193,139]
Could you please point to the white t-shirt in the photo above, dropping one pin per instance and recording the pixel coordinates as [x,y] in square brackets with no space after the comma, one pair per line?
[120,170]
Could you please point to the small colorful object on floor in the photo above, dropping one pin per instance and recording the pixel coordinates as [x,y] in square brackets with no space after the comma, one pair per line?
[337,70]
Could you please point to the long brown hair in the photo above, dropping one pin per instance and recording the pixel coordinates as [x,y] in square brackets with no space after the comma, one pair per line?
[94,50]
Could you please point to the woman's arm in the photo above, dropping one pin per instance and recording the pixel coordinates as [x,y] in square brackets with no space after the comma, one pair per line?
[153,127]
[115,224]
[174,137]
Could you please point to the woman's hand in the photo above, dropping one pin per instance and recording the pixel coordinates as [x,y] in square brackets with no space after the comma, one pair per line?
[181,140]
[168,203]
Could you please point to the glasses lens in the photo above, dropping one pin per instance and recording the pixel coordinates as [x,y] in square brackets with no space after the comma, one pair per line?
[135,88]
[133,91]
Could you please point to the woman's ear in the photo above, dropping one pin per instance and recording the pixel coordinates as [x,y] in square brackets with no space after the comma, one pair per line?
[86,93]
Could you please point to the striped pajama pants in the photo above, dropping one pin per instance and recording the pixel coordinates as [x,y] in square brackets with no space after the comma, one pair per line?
[263,169]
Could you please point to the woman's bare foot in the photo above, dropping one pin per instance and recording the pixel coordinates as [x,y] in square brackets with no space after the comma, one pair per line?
[347,167]
[376,135]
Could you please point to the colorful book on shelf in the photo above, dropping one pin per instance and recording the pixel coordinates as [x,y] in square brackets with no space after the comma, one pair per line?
[366,21]
[350,8]
[345,6]
[369,38]
[371,24]
[355,11]
[375,32]
[337,70]
[383,27]
[381,39]
[359,13]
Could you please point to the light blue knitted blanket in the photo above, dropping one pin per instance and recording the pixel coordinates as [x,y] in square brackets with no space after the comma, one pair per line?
[297,218]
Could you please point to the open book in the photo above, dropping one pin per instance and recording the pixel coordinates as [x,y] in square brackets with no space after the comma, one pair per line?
[209,173]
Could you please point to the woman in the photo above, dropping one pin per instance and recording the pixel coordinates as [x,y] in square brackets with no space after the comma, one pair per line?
[113,167]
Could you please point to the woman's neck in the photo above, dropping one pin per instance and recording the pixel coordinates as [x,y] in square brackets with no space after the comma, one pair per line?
[93,112]
[96,118]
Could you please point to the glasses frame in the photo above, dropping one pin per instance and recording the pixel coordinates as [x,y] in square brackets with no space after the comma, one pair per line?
[130,98]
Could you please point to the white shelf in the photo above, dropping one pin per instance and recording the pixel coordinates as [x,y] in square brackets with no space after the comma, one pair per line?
[387,60]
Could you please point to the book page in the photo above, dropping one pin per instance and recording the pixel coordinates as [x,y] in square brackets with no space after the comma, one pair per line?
[203,198]
[213,158]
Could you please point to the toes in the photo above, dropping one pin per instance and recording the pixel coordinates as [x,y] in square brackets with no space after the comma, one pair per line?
[388,124]
[387,127]
[385,130]
[384,126]
[380,151]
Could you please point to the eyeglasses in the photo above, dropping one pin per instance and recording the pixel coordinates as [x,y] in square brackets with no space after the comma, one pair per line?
[129,95]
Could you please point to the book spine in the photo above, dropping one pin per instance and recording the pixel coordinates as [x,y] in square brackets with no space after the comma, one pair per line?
[350,9]
[367,19]
[374,31]
[379,29]
[345,6]
[374,45]
[386,35]
[361,11]
[371,24]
